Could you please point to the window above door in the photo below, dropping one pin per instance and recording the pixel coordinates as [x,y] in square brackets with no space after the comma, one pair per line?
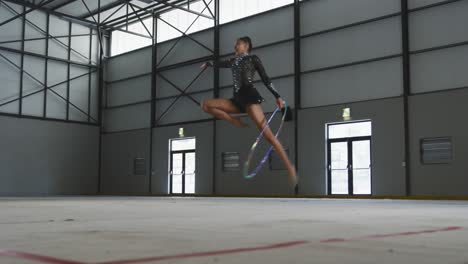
[350,129]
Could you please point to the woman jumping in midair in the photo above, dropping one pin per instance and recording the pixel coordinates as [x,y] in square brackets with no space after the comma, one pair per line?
[246,98]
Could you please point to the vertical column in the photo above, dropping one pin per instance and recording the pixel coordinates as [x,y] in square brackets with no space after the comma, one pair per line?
[100,66]
[153,96]
[68,70]
[100,95]
[126,18]
[90,61]
[22,61]
[297,78]
[46,71]
[216,50]
[406,89]
[215,86]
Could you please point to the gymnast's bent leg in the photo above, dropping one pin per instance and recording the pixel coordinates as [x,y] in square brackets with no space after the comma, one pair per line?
[222,108]
[256,113]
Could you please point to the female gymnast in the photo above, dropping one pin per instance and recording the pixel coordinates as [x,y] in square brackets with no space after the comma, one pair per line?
[246,98]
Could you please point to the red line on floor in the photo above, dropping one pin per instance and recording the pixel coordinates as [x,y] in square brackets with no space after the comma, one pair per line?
[52,260]
[36,258]
[208,253]
[411,233]
[289,244]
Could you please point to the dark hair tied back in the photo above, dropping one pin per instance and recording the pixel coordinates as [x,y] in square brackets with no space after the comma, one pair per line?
[247,40]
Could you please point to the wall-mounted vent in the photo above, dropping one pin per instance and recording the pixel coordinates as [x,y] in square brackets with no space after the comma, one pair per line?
[436,150]
[139,166]
[231,161]
[275,162]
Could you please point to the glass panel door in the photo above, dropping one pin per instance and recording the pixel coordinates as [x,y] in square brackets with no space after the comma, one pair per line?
[339,167]
[176,172]
[182,165]
[361,151]
[349,166]
[189,172]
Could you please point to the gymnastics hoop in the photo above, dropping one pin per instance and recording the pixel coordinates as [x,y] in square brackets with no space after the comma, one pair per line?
[252,174]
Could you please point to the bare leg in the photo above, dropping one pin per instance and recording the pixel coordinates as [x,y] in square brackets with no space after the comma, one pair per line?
[221,109]
[256,113]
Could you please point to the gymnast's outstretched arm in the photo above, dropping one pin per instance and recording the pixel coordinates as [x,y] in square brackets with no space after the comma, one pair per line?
[265,78]
[221,63]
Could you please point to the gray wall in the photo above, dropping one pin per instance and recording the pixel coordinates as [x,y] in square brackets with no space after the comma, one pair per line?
[53,148]
[47,158]
[340,67]
[119,152]
[120,149]
[440,115]
[388,175]
[267,182]
[203,133]
[38,73]
[438,82]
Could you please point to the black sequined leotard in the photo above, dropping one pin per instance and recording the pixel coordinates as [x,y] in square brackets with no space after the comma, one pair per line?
[243,69]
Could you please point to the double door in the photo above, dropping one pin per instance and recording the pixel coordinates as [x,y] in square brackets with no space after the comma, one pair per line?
[182,172]
[349,166]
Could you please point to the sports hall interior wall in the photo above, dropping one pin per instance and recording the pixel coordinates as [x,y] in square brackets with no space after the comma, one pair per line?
[49,147]
[351,56]
[47,158]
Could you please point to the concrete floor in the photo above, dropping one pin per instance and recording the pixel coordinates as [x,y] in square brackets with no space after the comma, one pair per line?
[76,230]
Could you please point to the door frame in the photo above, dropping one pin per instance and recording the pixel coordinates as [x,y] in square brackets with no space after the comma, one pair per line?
[183,152]
[349,141]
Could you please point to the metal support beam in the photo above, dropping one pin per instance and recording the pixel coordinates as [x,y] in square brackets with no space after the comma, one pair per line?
[126,19]
[120,21]
[406,90]
[215,87]
[89,71]
[104,8]
[177,41]
[68,71]
[33,7]
[116,21]
[133,33]
[47,57]
[47,34]
[63,4]
[179,89]
[179,96]
[95,21]
[58,14]
[42,38]
[46,66]
[97,24]
[182,8]
[297,80]
[113,13]
[141,21]
[154,53]
[49,88]
[100,101]
[23,32]
[209,9]
[186,35]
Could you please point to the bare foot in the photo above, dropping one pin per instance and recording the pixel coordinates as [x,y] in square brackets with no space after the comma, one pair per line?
[293,180]
[292,177]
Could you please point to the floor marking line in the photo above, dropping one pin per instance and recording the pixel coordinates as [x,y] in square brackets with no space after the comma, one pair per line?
[209,253]
[289,244]
[52,260]
[409,233]
[37,258]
